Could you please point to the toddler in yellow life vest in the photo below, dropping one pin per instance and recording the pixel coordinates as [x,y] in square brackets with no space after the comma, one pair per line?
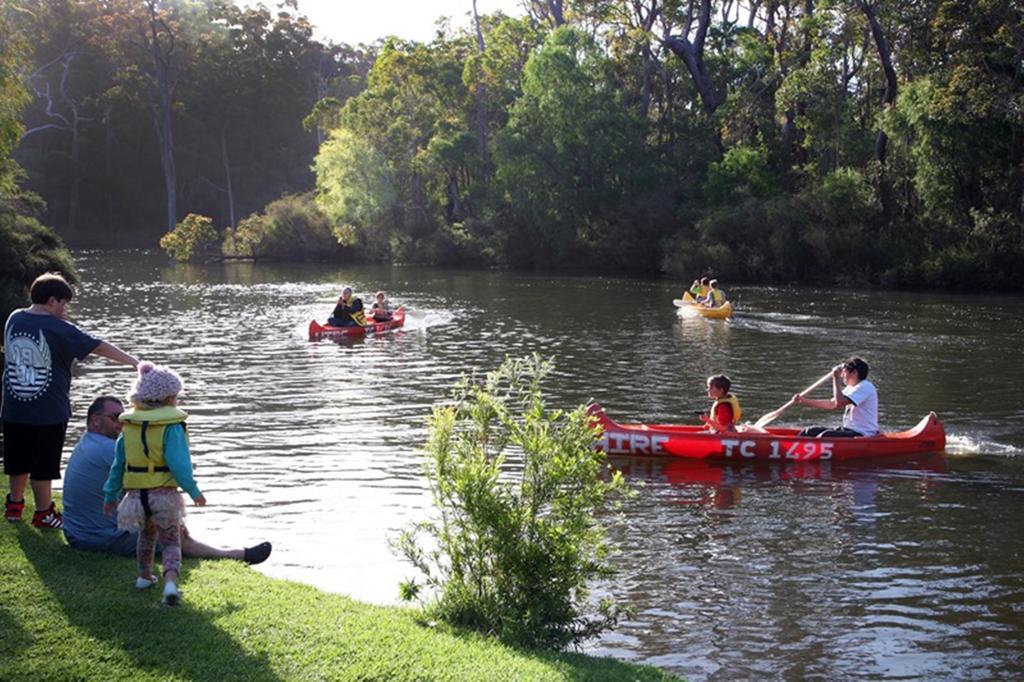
[725,412]
[151,460]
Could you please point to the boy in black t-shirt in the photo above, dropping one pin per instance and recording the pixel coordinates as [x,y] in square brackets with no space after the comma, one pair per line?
[39,348]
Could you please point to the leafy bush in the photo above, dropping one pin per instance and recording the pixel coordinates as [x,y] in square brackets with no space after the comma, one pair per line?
[189,238]
[291,228]
[822,234]
[742,172]
[512,553]
[27,250]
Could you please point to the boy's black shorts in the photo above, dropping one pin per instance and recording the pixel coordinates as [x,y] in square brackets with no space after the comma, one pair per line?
[33,449]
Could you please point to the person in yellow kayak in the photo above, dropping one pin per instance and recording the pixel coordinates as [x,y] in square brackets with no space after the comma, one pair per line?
[702,291]
[725,411]
[695,289]
[715,297]
[348,312]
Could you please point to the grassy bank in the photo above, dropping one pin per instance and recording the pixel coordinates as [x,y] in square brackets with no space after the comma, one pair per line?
[66,614]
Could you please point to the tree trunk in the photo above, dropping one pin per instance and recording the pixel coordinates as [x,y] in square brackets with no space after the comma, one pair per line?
[162,122]
[108,144]
[645,85]
[454,204]
[76,179]
[480,95]
[885,57]
[227,176]
[692,54]
[557,15]
[161,104]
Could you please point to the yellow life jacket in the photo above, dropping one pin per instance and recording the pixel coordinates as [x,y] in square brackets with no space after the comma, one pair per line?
[143,431]
[733,403]
[703,291]
[360,317]
[718,296]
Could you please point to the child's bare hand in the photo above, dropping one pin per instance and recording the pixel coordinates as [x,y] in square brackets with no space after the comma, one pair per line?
[108,508]
[200,501]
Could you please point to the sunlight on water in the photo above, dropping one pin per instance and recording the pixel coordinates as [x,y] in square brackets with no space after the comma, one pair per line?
[890,569]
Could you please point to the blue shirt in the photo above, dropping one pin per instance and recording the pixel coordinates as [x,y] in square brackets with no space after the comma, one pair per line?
[85,524]
[38,352]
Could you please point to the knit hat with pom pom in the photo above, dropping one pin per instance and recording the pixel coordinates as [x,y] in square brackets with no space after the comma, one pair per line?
[154,384]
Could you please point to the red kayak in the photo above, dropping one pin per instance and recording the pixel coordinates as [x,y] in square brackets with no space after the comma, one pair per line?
[319,331]
[761,444]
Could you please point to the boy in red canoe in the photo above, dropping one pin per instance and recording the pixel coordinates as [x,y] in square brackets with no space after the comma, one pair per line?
[725,412]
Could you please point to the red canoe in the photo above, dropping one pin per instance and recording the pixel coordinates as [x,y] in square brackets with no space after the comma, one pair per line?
[319,331]
[764,445]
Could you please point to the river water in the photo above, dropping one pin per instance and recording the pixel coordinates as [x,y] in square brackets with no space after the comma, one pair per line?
[895,570]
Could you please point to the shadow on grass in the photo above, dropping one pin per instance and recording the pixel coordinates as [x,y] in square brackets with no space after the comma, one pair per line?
[97,595]
[571,665]
[15,637]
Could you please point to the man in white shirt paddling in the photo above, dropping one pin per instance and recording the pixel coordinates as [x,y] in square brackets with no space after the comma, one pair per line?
[858,397]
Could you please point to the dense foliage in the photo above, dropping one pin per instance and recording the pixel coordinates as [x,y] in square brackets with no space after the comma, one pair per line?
[292,227]
[790,140]
[833,141]
[190,238]
[147,110]
[27,248]
[513,554]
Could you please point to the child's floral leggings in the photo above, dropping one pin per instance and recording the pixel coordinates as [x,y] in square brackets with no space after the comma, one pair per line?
[170,547]
[157,514]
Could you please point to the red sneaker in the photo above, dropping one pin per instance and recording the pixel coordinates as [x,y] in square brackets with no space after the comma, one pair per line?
[12,509]
[48,518]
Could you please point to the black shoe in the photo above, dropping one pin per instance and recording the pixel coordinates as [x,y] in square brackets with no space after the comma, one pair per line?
[257,554]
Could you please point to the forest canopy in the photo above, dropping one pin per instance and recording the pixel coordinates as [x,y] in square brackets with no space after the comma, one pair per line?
[825,141]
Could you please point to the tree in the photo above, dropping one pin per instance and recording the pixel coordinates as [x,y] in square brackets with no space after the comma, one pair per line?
[563,188]
[691,51]
[27,248]
[514,556]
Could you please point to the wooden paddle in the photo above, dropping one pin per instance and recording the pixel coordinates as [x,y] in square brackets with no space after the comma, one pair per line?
[772,416]
[686,301]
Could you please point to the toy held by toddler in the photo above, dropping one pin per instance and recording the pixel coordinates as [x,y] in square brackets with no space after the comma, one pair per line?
[151,460]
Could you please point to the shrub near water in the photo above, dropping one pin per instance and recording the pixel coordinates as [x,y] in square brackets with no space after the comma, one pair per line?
[189,238]
[27,250]
[291,228]
[513,551]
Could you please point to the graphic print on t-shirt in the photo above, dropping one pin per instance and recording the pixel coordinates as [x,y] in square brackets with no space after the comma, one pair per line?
[29,371]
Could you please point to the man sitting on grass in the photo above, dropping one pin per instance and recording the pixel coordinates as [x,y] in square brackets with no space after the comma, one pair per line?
[85,525]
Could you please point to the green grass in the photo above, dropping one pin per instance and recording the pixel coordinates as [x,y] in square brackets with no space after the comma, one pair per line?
[66,614]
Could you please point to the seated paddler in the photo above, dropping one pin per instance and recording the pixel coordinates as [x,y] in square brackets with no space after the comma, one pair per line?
[715,298]
[381,308]
[348,312]
[725,411]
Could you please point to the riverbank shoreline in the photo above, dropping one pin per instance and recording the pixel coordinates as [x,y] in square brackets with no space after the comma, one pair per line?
[68,614]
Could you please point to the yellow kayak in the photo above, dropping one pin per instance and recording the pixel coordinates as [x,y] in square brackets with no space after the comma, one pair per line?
[720,313]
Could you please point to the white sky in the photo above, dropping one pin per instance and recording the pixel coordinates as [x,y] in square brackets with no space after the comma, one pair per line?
[363,21]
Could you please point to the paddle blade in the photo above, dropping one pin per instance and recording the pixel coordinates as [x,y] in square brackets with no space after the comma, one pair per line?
[770,417]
